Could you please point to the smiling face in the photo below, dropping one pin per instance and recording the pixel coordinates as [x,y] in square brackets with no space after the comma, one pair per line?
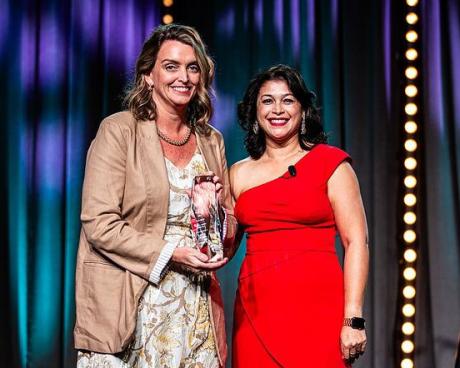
[279,113]
[175,75]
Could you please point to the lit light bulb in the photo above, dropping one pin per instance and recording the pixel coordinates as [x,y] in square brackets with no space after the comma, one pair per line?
[409,273]
[411,54]
[410,145]
[410,163]
[407,346]
[167,19]
[407,363]
[410,218]
[408,310]
[409,236]
[411,90]
[411,36]
[411,108]
[410,181]
[410,127]
[409,292]
[411,72]
[411,18]
[410,255]
[408,328]
[410,199]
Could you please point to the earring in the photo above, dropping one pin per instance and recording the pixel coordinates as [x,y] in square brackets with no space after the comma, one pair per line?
[150,87]
[303,128]
[255,127]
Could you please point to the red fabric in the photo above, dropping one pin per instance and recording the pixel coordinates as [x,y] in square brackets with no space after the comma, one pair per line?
[290,299]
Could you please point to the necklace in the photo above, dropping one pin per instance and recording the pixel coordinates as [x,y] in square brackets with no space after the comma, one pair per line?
[179,142]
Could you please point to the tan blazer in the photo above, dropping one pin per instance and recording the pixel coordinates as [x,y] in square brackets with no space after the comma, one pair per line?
[124,210]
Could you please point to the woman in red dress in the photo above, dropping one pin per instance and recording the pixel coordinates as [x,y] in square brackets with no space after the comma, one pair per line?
[295,307]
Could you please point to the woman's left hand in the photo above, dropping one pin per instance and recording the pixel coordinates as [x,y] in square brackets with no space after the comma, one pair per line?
[218,182]
[352,343]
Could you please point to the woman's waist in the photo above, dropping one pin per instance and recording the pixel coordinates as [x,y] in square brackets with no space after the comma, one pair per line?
[291,240]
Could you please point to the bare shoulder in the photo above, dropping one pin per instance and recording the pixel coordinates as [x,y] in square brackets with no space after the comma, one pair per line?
[343,183]
[343,172]
[242,166]
[238,172]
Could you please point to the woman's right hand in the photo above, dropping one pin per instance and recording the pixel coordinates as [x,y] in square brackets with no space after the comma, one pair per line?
[192,258]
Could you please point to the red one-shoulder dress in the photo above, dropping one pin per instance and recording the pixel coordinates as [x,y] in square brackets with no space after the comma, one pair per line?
[290,298]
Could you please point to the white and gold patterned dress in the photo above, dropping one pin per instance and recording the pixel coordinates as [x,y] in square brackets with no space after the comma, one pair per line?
[173,327]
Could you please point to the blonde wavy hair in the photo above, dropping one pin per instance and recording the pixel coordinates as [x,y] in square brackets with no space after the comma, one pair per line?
[138,97]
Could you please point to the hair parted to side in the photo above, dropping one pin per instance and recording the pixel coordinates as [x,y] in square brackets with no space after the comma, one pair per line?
[138,97]
[247,109]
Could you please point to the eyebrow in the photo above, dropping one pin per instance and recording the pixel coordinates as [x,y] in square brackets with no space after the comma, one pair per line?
[177,62]
[285,95]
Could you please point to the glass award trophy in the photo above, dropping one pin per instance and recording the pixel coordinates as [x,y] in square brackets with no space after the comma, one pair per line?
[206,223]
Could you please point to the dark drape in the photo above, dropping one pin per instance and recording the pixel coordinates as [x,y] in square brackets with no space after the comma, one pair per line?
[64,65]
[438,302]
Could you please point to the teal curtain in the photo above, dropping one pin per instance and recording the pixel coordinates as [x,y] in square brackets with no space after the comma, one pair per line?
[64,65]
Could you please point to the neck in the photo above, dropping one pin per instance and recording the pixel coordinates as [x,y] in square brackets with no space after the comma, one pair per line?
[282,150]
[170,119]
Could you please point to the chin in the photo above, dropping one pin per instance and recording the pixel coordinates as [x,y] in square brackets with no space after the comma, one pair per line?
[181,101]
[281,135]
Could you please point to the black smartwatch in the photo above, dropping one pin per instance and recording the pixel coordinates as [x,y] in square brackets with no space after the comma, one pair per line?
[357,323]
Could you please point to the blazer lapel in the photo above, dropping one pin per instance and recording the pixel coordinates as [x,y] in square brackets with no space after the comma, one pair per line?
[153,163]
[208,150]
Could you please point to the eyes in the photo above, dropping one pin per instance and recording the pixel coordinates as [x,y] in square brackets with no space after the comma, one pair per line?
[172,67]
[285,100]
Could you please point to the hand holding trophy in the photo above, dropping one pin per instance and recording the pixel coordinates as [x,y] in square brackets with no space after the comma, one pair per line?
[205,211]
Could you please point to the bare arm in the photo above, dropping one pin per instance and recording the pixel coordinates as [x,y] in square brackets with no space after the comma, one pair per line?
[234,188]
[345,197]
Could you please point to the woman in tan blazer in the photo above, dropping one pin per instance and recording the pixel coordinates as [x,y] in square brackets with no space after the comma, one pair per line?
[145,296]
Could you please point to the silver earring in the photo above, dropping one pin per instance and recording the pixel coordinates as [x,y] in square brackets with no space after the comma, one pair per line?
[255,127]
[303,127]
[150,87]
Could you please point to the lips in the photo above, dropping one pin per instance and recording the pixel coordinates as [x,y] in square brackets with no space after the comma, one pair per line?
[182,89]
[278,121]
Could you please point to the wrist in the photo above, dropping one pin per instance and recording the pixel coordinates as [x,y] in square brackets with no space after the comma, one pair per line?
[353,311]
[356,323]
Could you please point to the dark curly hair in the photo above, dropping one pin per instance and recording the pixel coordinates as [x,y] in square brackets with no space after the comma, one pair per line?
[247,109]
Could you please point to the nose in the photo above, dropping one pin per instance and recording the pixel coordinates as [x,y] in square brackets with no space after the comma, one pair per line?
[183,76]
[278,108]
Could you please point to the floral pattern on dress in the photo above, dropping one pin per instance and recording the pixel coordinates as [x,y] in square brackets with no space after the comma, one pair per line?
[173,328]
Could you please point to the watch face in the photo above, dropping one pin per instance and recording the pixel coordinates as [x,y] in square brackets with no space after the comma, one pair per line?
[357,323]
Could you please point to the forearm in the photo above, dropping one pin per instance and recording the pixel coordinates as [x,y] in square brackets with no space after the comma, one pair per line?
[356,266]
[114,238]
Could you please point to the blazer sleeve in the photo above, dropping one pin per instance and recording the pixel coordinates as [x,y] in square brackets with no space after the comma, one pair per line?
[101,214]
[231,242]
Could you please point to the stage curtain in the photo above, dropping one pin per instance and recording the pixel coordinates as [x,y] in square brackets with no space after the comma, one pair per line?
[64,65]
[438,300]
